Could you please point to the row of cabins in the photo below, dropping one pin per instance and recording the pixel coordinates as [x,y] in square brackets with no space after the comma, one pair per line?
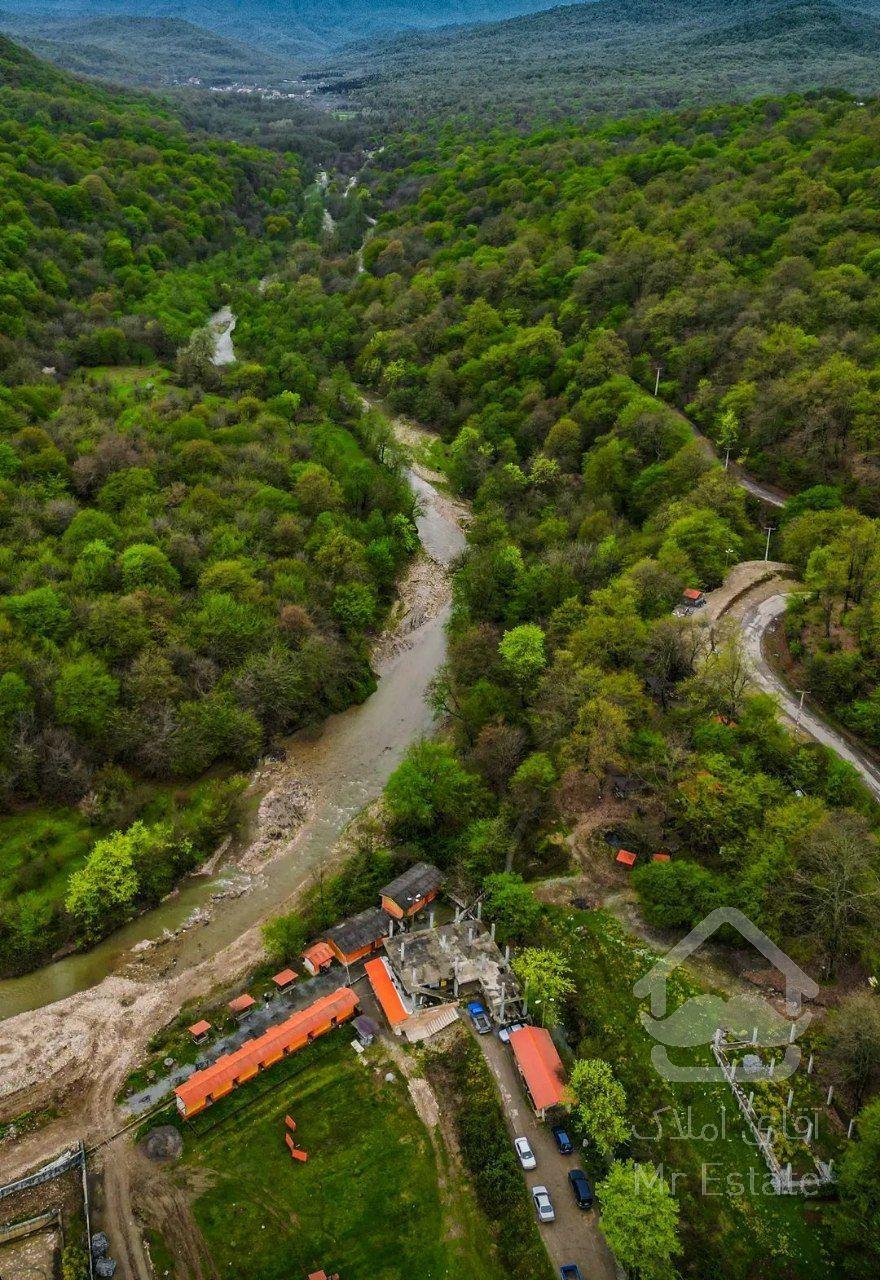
[348,942]
[365,933]
[234,1069]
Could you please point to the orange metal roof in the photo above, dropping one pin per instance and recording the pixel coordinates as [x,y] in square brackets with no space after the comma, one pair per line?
[628,859]
[319,953]
[240,1003]
[661,857]
[540,1065]
[691,593]
[199,1028]
[245,1062]
[284,978]
[386,992]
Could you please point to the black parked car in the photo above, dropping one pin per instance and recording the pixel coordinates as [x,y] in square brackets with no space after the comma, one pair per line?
[581,1189]
[563,1141]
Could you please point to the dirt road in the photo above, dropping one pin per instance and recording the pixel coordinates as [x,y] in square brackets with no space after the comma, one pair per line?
[575,1235]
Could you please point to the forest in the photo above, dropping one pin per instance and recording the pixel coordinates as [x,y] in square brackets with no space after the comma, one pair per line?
[194,559]
[191,560]
[612,57]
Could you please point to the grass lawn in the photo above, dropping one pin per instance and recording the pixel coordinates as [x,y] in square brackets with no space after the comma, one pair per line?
[374,1201]
[731,1228]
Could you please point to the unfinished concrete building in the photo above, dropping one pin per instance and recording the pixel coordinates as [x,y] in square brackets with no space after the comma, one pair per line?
[453,960]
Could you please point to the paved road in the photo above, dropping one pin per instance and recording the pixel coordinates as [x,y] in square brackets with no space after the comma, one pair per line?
[575,1235]
[756,621]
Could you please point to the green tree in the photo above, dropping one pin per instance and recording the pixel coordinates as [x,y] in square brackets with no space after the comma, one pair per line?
[102,892]
[523,654]
[601,1103]
[510,903]
[546,981]
[430,793]
[856,1220]
[639,1219]
[85,695]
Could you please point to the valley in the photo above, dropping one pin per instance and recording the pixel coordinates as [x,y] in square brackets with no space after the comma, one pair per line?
[439,563]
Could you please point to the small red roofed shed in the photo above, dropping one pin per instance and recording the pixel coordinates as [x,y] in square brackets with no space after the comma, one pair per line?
[199,1030]
[283,979]
[626,859]
[317,958]
[540,1067]
[241,1004]
[661,857]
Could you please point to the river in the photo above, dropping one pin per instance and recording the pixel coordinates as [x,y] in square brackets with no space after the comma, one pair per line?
[346,764]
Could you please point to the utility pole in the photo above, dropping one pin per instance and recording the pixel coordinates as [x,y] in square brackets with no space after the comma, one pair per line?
[727,458]
[797,723]
[768,529]
[657,383]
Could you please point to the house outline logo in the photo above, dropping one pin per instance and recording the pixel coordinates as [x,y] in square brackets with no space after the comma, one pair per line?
[691,1024]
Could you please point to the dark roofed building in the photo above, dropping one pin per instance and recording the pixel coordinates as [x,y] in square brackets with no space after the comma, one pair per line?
[411,890]
[358,936]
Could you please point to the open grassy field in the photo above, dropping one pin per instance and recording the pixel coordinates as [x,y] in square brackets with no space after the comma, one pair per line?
[728,1219]
[379,1198]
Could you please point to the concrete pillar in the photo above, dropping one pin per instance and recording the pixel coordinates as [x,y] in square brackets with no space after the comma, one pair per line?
[470,935]
[402,950]
[479,910]
[431,918]
[492,931]
[772,1067]
[830,1095]
[850,1127]
[457,915]
[790,1097]
[507,953]
[810,1066]
[503,1003]
[792,1033]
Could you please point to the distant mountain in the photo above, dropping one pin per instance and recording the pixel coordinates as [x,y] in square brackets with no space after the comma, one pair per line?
[292,28]
[147,51]
[616,55]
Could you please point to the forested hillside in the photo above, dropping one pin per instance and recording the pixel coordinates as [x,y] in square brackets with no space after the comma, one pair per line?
[617,56]
[131,49]
[191,559]
[734,248]
[304,28]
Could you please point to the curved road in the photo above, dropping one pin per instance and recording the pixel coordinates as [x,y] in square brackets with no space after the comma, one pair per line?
[756,621]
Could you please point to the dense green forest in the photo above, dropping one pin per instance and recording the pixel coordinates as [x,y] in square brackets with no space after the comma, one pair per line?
[614,56]
[734,248]
[191,559]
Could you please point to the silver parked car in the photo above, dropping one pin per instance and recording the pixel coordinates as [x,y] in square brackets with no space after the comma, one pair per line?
[543,1204]
[525,1153]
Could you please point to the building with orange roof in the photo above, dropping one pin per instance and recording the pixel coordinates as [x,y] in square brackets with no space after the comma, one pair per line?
[284,979]
[241,1004]
[625,858]
[661,857]
[540,1067]
[199,1030]
[386,992]
[235,1069]
[317,958]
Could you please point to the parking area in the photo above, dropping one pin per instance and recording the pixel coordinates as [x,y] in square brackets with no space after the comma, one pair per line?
[575,1235]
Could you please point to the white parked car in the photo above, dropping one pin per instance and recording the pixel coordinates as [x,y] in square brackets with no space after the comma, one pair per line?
[525,1153]
[543,1204]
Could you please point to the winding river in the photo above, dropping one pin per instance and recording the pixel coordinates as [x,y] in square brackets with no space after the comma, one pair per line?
[346,763]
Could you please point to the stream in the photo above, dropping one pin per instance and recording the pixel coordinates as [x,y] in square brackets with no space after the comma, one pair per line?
[346,762]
